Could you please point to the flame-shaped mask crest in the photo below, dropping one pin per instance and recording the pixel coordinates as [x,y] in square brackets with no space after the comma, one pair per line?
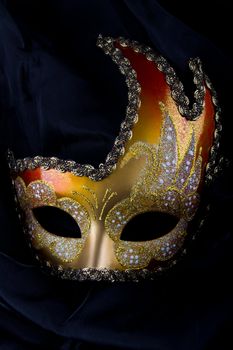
[132,213]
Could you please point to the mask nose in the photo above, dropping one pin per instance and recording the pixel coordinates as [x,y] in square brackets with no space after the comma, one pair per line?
[98,251]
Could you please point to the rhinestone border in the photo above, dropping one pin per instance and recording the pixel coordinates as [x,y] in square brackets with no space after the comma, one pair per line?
[101,274]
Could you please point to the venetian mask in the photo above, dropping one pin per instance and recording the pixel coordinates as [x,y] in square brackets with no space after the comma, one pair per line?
[131,214]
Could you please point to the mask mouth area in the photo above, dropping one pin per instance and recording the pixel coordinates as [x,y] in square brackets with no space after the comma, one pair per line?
[57,221]
[148,226]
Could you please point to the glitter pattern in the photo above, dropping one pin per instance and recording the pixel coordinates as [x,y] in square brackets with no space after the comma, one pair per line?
[168,154]
[165,247]
[186,166]
[193,182]
[40,193]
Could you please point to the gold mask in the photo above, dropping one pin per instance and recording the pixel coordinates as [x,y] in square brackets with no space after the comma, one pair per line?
[159,162]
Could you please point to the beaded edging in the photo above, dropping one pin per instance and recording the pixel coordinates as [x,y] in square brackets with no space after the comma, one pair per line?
[102,274]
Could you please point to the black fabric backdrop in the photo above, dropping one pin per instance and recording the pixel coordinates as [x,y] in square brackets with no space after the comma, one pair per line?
[60,95]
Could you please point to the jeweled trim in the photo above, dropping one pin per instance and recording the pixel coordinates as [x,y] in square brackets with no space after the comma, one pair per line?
[177,88]
[177,92]
[216,161]
[102,274]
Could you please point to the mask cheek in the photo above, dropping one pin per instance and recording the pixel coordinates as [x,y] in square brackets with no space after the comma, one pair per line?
[165,247]
[139,254]
[133,254]
[61,249]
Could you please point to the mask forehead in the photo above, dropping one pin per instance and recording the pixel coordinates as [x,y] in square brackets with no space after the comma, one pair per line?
[97,197]
[154,92]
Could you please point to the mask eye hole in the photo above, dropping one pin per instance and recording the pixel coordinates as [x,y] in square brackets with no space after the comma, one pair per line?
[148,226]
[57,221]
